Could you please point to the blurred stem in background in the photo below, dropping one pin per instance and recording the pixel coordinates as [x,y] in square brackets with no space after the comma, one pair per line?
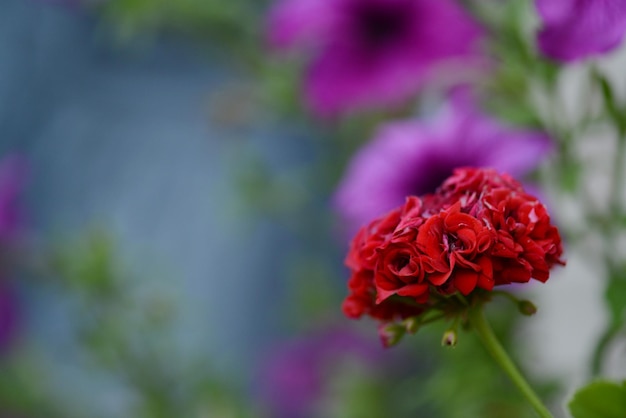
[612,226]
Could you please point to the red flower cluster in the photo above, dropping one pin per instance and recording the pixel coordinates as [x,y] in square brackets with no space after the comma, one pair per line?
[479,230]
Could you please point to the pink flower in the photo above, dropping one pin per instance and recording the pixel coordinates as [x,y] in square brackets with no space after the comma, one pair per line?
[576,29]
[414,157]
[372,53]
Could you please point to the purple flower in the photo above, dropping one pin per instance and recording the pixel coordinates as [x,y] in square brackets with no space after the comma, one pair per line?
[293,377]
[12,177]
[576,29]
[372,53]
[414,157]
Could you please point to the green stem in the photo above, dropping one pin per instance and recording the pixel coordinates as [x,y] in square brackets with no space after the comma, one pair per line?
[616,176]
[479,322]
[432,319]
[611,227]
[507,295]
[600,350]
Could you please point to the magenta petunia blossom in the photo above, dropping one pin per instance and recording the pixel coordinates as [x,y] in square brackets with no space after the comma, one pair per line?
[414,157]
[576,29]
[372,53]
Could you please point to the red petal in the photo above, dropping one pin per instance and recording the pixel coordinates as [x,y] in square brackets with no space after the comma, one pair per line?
[413,290]
[465,281]
[382,294]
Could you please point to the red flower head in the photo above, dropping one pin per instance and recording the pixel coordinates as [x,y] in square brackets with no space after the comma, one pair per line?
[479,230]
[372,243]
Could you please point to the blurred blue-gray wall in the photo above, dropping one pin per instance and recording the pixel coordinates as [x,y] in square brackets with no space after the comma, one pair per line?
[120,138]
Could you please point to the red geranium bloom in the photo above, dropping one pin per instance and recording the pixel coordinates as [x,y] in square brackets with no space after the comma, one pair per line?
[363,258]
[456,244]
[528,245]
[479,230]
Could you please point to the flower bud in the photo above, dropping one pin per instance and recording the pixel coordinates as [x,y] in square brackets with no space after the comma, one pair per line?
[390,334]
[526,307]
[449,338]
[412,325]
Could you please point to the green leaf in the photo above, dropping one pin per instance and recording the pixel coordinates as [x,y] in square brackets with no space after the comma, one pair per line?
[599,399]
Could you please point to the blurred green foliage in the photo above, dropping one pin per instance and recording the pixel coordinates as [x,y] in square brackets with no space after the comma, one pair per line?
[233,23]
[129,334]
[21,391]
[464,381]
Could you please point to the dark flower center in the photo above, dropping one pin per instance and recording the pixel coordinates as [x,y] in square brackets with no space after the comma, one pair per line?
[434,171]
[379,25]
[402,261]
[430,179]
[451,243]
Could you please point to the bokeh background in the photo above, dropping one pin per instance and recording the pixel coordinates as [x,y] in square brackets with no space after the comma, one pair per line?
[180,255]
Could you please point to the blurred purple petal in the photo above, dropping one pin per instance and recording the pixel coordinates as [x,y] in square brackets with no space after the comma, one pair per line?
[576,29]
[372,53]
[293,377]
[297,21]
[414,157]
[13,171]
